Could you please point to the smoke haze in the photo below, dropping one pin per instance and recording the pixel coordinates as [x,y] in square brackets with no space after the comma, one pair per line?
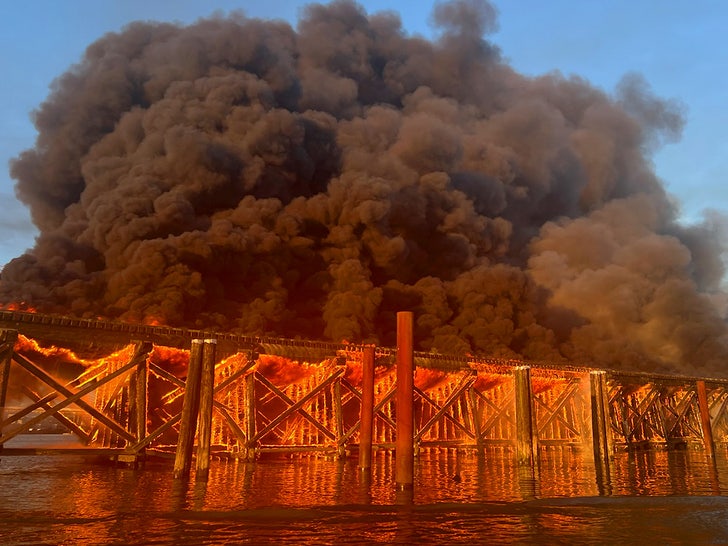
[242,175]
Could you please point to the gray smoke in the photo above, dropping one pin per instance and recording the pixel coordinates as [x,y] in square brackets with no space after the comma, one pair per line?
[241,175]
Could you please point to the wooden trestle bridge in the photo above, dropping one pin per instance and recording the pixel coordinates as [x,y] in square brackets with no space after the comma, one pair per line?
[255,395]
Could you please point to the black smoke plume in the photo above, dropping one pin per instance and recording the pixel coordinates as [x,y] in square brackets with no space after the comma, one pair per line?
[241,175]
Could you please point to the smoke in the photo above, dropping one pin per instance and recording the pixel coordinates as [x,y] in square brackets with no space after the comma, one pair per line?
[241,175]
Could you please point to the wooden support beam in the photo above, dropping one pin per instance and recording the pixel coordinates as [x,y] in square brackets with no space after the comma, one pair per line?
[705,418]
[524,416]
[601,437]
[7,344]
[207,393]
[552,413]
[38,404]
[287,399]
[405,440]
[139,420]
[477,421]
[250,414]
[498,411]
[190,408]
[74,398]
[339,420]
[62,419]
[366,416]
[298,405]
[441,412]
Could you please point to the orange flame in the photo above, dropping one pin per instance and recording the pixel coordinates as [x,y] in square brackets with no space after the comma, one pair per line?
[284,371]
[486,381]
[27,345]
[19,306]
[426,378]
[170,359]
[542,384]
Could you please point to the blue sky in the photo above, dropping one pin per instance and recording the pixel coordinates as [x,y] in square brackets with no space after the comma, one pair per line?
[678,46]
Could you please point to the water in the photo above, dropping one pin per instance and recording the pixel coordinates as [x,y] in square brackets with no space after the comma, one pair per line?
[661,497]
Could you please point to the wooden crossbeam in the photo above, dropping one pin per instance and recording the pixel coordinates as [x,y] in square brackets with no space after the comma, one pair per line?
[498,411]
[72,398]
[441,412]
[234,377]
[156,433]
[720,416]
[561,400]
[283,396]
[641,411]
[65,421]
[679,413]
[218,406]
[28,409]
[294,408]
[377,411]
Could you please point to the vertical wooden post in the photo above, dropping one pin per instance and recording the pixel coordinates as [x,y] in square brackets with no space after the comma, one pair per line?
[404,446]
[600,417]
[141,400]
[477,422]
[190,407]
[366,418]
[207,394]
[524,416]
[250,410]
[705,418]
[138,395]
[7,346]
[339,419]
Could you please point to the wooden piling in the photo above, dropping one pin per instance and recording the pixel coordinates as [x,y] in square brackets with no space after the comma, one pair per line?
[207,395]
[339,420]
[141,399]
[366,419]
[404,446]
[138,397]
[600,417]
[7,346]
[250,410]
[190,408]
[524,416]
[705,418]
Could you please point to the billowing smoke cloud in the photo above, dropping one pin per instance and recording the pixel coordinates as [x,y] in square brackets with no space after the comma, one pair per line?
[241,175]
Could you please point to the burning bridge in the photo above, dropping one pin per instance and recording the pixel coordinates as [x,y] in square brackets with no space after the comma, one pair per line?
[164,391]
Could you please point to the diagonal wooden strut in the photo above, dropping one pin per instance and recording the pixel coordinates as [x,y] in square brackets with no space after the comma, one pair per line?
[464,384]
[76,398]
[283,396]
[62,419]
[293,409]
[561,401]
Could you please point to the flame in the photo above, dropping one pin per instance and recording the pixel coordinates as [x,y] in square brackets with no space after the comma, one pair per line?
[427,378]
[170,359]
[19,306]
[542,384]
[486,381]
[25,344]
[153,321]
[284,371]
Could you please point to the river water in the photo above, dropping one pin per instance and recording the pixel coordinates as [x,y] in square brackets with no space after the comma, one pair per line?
[659,497]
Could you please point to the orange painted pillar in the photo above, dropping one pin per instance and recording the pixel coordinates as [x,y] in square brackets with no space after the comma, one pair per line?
[404,446]
[366,420]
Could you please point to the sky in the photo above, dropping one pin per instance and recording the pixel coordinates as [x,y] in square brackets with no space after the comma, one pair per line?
[677,46]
